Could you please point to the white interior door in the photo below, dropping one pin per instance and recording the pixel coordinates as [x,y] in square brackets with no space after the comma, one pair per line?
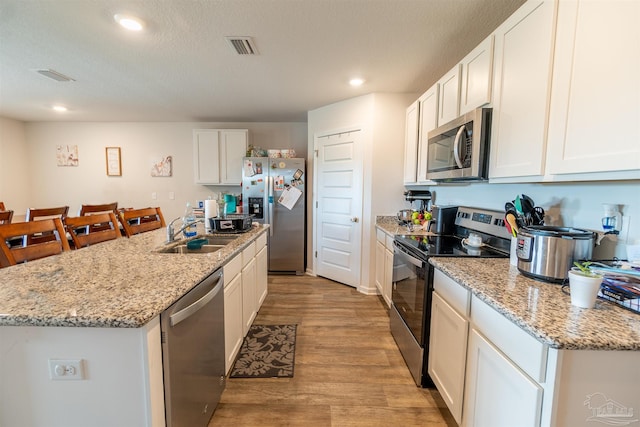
[339,207]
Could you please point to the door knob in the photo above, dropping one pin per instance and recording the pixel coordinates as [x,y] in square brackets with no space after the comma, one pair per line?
[354,219]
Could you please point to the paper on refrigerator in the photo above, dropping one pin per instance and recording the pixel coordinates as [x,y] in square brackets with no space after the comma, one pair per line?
[289,197]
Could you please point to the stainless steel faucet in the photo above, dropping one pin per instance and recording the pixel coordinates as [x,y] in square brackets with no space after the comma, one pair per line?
[171,234]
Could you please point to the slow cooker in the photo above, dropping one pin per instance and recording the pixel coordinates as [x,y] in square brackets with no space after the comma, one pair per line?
[547,253]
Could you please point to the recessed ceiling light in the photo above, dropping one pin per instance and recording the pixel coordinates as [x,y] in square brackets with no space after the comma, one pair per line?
[129,22]
[356,82]
[60,108]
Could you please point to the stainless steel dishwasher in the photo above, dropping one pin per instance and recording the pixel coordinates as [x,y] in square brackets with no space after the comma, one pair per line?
[193,354]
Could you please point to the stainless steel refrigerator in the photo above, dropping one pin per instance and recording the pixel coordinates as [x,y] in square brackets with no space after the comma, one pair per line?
[273,191]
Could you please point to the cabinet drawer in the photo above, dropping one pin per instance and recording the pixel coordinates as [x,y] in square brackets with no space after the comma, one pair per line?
[380,235]
[453,293]
[248,253]
[231,269]
[261,241]
[389,242]
[523,349]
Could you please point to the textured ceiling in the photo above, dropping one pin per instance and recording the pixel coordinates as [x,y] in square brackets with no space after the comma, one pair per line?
[182,69]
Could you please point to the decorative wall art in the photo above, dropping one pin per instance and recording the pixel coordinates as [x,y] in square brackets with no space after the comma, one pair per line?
[161,166]
[114,165]
[67,155]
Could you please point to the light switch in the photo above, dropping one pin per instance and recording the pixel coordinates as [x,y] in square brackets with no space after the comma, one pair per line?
[172,195]
[154,195]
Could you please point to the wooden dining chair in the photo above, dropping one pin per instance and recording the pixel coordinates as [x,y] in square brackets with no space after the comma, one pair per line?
[17,254]
[5,217]
[94,209]
[2,208]
[39,214]
[96,223]
[135,221]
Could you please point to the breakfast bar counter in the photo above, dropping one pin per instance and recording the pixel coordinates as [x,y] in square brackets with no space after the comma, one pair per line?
[123,283]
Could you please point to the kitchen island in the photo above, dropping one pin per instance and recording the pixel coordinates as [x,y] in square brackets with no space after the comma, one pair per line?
[100,305]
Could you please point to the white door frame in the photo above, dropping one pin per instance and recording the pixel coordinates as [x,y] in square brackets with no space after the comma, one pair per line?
[316,135]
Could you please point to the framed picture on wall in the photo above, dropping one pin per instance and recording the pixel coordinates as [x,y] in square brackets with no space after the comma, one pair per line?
[114,165]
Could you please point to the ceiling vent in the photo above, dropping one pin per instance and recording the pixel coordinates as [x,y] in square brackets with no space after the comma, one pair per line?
[242,45]
[52,74]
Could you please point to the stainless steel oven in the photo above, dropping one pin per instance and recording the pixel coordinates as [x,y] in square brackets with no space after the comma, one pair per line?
[412,292]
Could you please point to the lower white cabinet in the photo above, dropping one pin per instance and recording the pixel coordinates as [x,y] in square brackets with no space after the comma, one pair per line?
[497,392]
[245,289]
[384,265]
[233,331]
[261,272]
[448,353]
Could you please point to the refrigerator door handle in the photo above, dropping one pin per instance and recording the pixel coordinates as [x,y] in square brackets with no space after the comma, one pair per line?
[270,204]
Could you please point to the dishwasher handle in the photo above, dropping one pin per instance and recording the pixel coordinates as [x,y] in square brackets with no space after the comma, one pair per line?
[189,310]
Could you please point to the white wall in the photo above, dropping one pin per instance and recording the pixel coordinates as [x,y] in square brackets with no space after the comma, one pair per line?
[140,143]
[381,118]
[577,204]
[15,171]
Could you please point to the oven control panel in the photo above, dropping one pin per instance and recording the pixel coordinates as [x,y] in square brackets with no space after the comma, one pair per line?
[483,220]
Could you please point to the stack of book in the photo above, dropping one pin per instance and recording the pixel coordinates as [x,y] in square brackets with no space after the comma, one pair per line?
[621,283]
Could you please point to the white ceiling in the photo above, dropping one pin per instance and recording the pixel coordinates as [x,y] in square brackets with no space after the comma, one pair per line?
[182,69]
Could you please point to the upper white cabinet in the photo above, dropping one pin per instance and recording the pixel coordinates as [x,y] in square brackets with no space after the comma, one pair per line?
[449,96]
[522,81]
[428,122]
[477,72]
[595,102]
[217,155]
[411,143]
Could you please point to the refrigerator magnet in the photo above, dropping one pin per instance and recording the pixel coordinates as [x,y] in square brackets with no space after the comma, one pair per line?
[297,174]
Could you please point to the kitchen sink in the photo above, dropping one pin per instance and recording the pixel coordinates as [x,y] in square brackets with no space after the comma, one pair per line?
[200,245]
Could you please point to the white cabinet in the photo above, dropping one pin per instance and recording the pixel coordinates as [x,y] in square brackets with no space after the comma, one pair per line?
[449,96]
[261,270]
[233,321]
[497,392]
[595,101]
[217,155]
[448,341]
[522,82]
[388,275]
[411,143]
[384,265]
[428,122]
[249,297]
[477,72]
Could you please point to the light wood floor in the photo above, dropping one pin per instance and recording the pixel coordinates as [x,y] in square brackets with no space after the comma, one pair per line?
[348,370]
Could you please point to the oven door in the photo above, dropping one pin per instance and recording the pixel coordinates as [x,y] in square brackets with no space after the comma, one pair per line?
[408,293]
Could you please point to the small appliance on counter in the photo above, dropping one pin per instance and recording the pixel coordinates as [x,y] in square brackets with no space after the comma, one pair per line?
[236,223]
[442,219]
[547,253]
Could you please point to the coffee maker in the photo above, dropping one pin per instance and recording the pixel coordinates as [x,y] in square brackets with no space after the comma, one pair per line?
[443,219]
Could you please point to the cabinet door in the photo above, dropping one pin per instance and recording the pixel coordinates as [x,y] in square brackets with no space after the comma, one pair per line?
[233,148]
[411,143]
[477,72]
[380,252]
[497,393]
[261,277]
[233,321]
[522,79]
[448,353]
[449,96]
[388,276]
[206,154]
[428,122]
[248,295]
[595,101]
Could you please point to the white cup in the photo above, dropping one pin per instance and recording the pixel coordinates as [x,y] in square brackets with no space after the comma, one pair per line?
[474,240]
[584,289]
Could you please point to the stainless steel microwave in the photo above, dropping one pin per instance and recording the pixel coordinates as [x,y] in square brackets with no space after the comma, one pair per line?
[459,150]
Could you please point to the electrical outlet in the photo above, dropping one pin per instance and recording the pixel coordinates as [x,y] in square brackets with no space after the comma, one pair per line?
[172,195]
[154,195]
[66,369]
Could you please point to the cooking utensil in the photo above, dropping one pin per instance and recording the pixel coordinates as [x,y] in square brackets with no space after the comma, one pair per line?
[511,219]
[538,215]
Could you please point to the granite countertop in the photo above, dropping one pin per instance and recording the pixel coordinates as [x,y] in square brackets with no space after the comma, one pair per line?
[541,309]
[390,225]
[122,283]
